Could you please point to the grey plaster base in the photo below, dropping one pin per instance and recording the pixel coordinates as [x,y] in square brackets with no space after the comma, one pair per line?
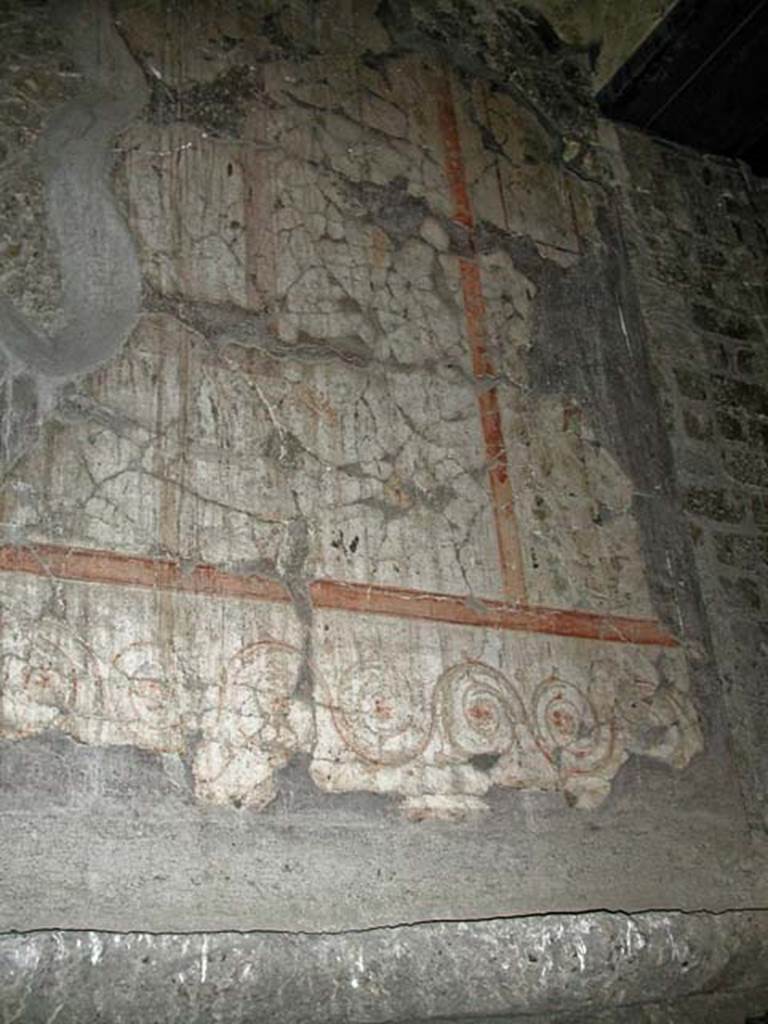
[113,839]
[566,967]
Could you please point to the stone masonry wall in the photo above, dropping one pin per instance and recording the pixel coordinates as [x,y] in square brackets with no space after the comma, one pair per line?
[701,251]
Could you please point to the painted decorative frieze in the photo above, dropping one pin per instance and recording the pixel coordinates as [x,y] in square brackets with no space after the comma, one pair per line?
[436,714]
[323,505]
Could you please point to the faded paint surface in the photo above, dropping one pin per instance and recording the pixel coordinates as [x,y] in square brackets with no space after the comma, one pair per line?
[330,388]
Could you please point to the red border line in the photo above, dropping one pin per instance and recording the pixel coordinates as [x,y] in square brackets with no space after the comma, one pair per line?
[84,565]
[507,533]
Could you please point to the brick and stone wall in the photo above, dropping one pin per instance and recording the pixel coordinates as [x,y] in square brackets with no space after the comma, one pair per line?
[700,246]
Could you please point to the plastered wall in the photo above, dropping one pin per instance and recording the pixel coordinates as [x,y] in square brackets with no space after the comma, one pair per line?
[344,483]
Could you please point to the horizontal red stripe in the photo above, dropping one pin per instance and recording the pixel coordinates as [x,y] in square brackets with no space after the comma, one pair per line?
[93,566]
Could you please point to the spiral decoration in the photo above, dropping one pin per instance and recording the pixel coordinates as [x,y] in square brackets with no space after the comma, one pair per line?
[478,709]
[568,728]
[39,682]
[458,732]
[145,689]
[379,716]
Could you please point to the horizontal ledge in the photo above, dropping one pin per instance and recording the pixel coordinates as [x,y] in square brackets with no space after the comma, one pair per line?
[85,565]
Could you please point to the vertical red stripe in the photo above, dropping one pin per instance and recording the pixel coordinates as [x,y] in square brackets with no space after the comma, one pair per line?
[507,534]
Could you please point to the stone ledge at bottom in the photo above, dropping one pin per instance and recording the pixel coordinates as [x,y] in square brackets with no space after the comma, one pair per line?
[568,968]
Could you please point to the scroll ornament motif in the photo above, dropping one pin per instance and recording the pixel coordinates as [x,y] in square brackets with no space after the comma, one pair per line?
[659,721]
[378,714]
[478,710]
[145,703]
[52,680]
[440,743]
[480,729]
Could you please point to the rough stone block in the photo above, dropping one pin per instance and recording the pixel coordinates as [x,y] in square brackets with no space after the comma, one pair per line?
[736,394]
[760,510]
[698,423]
[716,504]
[569,969]
[742,551]
[741,593]
[731,425]
[746,466]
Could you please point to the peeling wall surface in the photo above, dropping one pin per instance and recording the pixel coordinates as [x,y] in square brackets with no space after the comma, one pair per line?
[345,574]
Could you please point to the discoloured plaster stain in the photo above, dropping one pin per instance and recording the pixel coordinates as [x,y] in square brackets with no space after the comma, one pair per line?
[101,281]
